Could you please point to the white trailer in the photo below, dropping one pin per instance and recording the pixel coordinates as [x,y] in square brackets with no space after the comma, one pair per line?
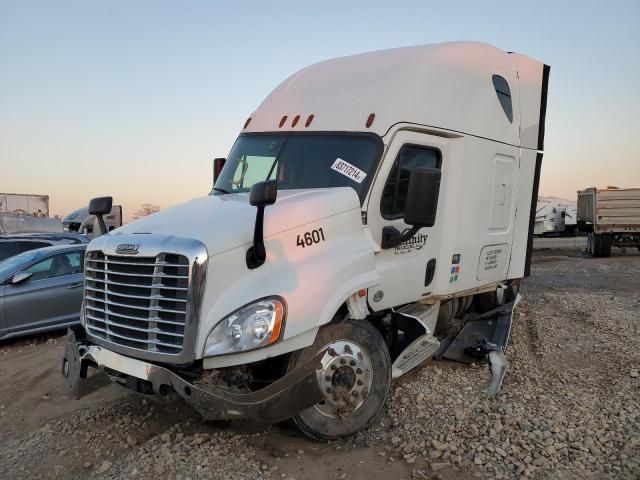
[367,201]
[612,218]
[24,204]
[554,216]
[13,223]
[26,213]
[571,218]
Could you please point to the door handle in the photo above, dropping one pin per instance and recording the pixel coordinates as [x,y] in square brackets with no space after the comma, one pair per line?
[74,285]
[430,272]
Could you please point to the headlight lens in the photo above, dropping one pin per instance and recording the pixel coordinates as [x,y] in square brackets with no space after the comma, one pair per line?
[256,325]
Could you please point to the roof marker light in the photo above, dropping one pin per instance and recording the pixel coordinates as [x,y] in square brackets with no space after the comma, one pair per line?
[370,119]
[282,120]
[309,120]
[246,124]
[295,120]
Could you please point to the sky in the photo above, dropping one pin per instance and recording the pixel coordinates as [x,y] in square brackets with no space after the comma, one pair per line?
[135,99]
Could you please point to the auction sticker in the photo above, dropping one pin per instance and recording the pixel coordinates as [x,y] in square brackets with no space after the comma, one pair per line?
[348,170]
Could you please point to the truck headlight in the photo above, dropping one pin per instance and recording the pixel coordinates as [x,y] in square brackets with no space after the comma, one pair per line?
[253,326]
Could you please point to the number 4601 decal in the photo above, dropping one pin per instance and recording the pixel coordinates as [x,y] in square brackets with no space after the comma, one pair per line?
[309,238]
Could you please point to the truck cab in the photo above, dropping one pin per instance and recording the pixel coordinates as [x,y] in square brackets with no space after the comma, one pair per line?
[83,222]
[367,202]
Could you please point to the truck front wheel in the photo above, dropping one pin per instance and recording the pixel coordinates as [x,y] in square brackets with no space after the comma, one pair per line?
[355,376]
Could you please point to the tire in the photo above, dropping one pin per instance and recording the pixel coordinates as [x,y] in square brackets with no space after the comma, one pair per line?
[331,418]
[606,245]
[445,323]
[483,302]
[596,244]
[463,305]
[590,241]
[601,245]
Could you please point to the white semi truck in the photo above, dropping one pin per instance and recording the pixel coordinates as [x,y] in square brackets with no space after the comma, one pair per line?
[83,222]
[367,202]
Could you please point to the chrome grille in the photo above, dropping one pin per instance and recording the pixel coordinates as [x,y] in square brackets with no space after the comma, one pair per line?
[137,302]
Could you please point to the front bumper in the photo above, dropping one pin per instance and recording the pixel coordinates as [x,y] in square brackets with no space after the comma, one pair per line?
[279,401]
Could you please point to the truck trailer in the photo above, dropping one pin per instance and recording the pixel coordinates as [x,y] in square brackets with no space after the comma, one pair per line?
[549,218]
[611,216]
[26,213]
[24,204]
[367,202]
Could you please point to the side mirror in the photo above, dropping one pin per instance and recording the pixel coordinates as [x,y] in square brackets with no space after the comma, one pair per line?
[421,206]
[218,164]
[422,197]
[262,194]
[20,277]
[100,206]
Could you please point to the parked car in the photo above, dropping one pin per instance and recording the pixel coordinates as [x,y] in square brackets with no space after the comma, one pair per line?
[41,290]
[14,244]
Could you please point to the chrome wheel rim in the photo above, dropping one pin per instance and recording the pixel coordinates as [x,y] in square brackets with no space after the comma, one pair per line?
[345,378]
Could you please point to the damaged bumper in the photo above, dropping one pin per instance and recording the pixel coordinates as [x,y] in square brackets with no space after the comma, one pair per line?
[279,401]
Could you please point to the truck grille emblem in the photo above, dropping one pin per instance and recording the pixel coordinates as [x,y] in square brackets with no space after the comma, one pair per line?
[127,248]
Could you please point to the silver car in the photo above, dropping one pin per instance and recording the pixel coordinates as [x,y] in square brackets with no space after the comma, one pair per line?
[41,290]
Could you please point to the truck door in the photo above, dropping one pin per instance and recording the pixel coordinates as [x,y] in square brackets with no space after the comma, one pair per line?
[406,271]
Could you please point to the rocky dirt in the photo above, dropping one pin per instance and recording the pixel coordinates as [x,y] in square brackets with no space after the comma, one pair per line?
[569,406]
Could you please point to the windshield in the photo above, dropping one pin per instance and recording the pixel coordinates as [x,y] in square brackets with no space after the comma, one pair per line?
[301,161]
[11,264]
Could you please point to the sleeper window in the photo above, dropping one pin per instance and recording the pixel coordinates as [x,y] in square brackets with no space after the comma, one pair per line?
[394,195]
[504,95]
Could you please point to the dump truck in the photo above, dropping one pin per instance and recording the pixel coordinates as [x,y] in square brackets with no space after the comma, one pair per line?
[611,216]
[368,203]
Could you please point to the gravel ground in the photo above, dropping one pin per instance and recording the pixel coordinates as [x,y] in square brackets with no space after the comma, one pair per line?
[569,406]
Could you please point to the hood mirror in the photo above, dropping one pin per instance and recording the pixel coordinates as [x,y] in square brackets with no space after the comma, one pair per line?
[261,195]
[20,277]
[100,206]
[218,164]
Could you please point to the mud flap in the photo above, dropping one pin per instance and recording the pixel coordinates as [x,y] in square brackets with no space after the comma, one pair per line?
[485,335]
[74,371]
[498,369]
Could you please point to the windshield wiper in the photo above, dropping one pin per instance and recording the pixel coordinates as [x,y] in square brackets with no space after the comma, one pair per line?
[220,190]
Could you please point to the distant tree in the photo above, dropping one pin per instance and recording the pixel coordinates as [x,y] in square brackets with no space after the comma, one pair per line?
[146,209]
